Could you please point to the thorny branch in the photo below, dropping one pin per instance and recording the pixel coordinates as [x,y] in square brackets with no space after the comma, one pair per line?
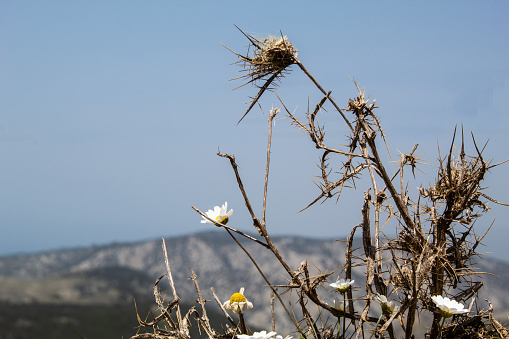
[430,255]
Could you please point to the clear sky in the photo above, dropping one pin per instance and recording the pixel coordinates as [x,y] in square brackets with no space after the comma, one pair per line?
[111,112]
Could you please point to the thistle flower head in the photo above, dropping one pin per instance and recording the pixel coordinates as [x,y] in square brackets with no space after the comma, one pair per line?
[268,62]
[270,54]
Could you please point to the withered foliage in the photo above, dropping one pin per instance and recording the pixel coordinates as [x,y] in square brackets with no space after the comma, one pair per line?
[433,252]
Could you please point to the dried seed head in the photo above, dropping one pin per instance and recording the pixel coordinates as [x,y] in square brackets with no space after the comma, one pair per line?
[268,62]
[270,56]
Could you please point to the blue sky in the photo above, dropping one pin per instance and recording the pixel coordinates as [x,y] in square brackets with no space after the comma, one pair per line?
[111,112]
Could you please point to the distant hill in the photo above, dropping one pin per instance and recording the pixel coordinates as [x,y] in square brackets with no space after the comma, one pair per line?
[120,273]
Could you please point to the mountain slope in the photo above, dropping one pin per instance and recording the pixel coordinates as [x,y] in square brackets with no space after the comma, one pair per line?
[120,272]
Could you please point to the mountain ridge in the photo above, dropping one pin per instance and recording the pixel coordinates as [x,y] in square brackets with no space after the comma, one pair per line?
[122,272]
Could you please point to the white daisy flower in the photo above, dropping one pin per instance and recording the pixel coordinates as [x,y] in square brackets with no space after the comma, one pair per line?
[219,214]
[262,335]
[388,307]
[238,302]
[448,307]
[342,285]
[337,304]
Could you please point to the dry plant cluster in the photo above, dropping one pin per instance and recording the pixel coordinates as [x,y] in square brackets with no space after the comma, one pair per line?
[430,258]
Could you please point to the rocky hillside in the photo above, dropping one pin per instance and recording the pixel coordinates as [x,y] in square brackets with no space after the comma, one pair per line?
[119,273]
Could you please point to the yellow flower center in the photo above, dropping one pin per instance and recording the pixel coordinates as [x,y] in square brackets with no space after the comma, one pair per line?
[386,310]
[446,314]
[237,298]
[222,220]
[343,288]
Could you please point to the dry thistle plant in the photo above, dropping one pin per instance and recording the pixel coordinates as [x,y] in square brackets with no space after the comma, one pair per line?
[427,267]
[268,63]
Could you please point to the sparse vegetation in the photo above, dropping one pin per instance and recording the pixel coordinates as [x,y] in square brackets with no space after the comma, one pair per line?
[57,321]
[427,268]
[64,321]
